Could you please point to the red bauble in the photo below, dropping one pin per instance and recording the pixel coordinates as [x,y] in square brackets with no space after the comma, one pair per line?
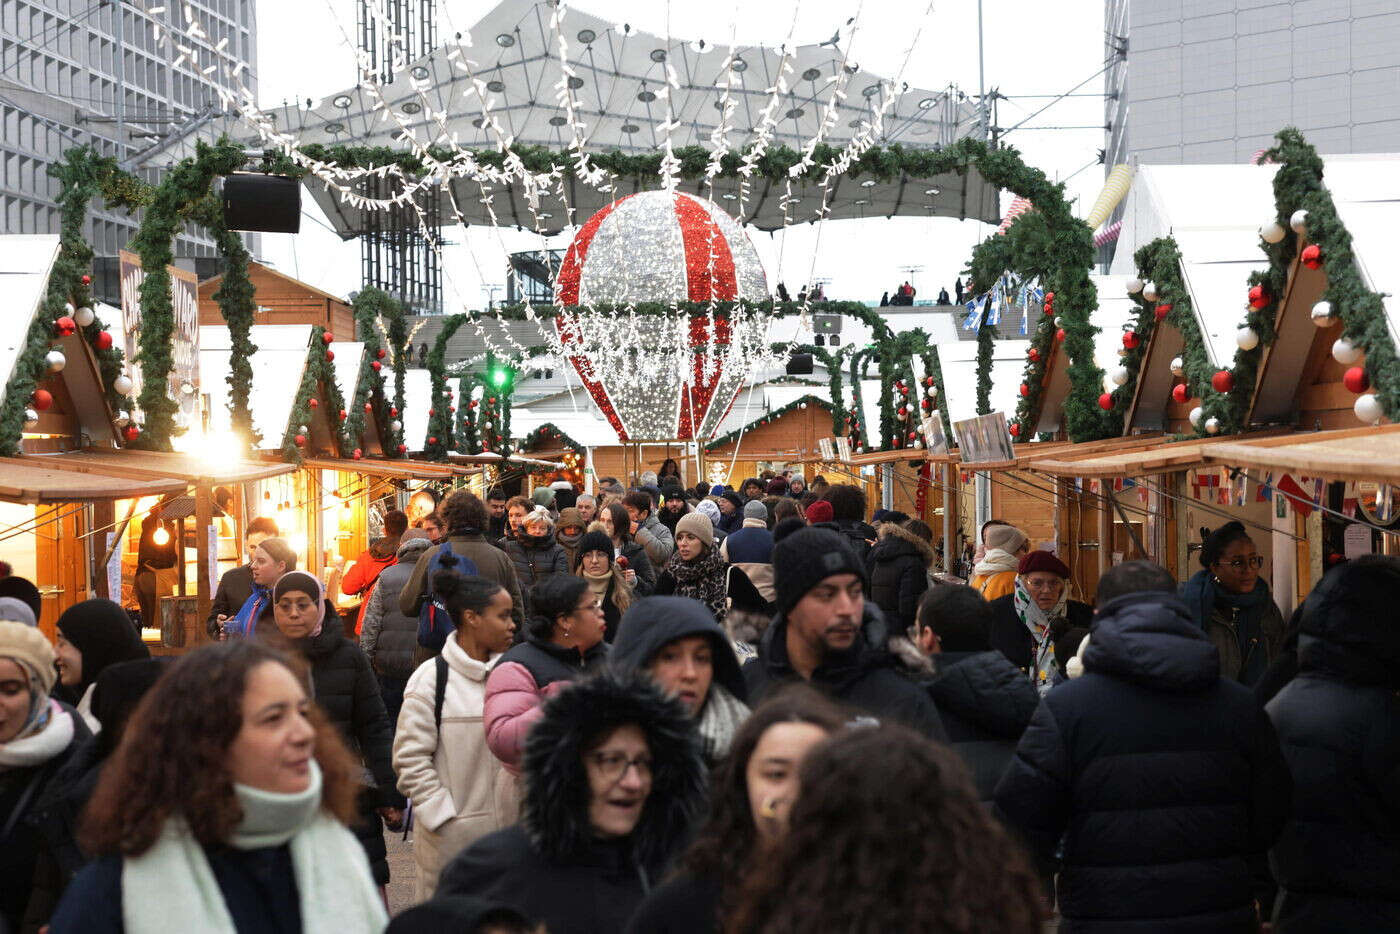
[471,404]
[65,326]
[314,403]
[1049,296]
[1106,401]
[357,454]
[913,435]
[491,401]
[1130,340]
[1015,429]
[927,404]
[432,412]
[403,448]
[375,365]
[393,411]
[342,415]
[41,400]
[1258,298]
[1025,390]
[1034,355]
[1356,379]
[327,337]
[1060,336]
[904,390]
[330,355]
[432,439]
[381,353]
[131,432]
[369,406]
[103,340]
[903,412]
[1222,381]
[928,380]
[87,280]
[1312,256]
[1162,311]
[1180,393]
[300,441]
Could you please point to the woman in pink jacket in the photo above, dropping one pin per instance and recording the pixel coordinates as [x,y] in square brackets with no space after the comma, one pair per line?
[563,641]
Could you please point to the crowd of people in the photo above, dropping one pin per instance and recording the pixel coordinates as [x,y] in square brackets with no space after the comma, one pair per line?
[660,709]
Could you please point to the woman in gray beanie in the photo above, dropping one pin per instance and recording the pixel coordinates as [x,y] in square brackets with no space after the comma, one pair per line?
[697,570]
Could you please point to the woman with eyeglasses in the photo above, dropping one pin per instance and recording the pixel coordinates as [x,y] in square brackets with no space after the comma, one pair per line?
[563,641]
[304,623]
[1230,599]
[1026,623]
[613,786]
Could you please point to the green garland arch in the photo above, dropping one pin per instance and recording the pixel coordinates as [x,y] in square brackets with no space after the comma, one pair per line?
[548,432]
[369,307]
[318,374]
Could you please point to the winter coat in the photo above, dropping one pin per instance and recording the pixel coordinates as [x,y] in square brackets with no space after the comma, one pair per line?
[1248,638]
[638,561]
[1338,861]
[40,854]
[235,587]
[523,678]
[344,686]
[985,704]
[656,539]
[365,571]
[898,570]
[683,904]
[389,637]
[660,621]
[1009,636]
[1162,778]
[750,549]
[863,677]
[491,563]
[551,866]
[448,773]
[859,535]
[535,560]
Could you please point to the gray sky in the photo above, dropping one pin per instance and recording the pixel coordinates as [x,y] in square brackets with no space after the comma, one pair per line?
[1031,48]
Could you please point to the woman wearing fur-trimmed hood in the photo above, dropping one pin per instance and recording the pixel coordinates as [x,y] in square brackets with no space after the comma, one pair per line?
[898,569]
[613,785]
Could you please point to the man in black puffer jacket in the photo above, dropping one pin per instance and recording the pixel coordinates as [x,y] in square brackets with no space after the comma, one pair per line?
[1338,861]
[1163,779]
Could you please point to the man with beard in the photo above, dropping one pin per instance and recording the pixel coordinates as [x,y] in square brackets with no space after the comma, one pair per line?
[827,634]
[496,509]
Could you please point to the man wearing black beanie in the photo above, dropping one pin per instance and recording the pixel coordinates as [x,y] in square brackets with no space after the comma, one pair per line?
[821,632]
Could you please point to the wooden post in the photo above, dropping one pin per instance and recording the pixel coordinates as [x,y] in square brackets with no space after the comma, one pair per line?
[203,521]
[103,517]
[951,498]
[1104,513]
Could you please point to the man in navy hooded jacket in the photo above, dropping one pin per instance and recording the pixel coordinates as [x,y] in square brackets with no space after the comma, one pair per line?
[1158,780]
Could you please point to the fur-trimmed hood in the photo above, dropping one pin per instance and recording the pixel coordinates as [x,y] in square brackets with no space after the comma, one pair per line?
[896,540]
[555,809]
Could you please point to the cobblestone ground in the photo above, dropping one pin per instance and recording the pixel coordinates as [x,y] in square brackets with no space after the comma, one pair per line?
[403,872]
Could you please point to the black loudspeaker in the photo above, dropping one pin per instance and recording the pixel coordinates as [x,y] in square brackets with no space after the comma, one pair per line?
[799,364]
[269,203]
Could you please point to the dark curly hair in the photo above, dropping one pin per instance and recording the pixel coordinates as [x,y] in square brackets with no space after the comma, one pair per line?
[847,502]
[555,596]
[173,756]
[726,843]
[888,835]
[463,510]
[1213,544]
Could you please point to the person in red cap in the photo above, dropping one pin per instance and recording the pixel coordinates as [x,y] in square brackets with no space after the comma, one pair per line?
[819,512]
[1027,622]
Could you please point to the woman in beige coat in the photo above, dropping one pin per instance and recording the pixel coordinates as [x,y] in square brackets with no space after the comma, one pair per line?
[440,752]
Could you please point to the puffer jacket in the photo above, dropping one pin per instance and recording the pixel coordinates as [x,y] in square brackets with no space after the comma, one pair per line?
[985,704]
[1163,779]
[656,539]
[551,866]
[638,561]
[448,773]
[365,572]
[389,638]
[1338,861]
[527,675]
[898,570]
[535,559]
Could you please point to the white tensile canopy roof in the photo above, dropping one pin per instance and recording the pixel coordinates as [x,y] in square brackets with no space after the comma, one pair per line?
[278,366]
[1366,192]
[958,362]
[619,88]
[25,262]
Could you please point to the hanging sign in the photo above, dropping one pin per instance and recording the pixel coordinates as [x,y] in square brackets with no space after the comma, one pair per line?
[935,441]
[984,440]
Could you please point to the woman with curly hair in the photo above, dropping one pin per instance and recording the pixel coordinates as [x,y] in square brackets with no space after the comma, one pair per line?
[923,856]
[224,809]
[750,796]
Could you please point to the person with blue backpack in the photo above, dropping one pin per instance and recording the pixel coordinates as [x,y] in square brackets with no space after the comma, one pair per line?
[465,516]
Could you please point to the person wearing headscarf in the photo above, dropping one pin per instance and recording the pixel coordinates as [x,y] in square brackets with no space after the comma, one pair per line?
[568,530]
[697,570]
[1027,623]
[301,620]
[38,735]
[91,636]
[272,558]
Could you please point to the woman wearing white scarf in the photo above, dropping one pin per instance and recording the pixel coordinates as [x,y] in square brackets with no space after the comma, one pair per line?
[224,811]
[994,574]
[1038,611]
[37,736]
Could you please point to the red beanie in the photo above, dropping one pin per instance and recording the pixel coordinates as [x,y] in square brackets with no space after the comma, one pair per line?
[820,511]
[1038,559]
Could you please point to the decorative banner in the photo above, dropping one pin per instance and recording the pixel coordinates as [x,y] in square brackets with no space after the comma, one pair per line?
[1115,187]
[184,298]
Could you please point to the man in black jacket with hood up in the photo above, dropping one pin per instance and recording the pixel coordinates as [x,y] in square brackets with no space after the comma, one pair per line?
[828,634]
[1163,779]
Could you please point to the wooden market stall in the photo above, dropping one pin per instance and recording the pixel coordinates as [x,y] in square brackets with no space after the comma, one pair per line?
[280,299]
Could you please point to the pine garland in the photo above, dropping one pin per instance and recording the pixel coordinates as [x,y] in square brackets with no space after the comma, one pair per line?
[368,307]
[769,417]
[549,433]
[439,439]
[237,302]
[986,338]
[319,373]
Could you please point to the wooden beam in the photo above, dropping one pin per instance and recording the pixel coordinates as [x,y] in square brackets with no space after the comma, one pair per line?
[203,521]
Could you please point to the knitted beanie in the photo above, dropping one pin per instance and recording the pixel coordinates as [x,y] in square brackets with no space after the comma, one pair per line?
[1038,559]
[1006,537]
[754,509]
[820,511]
[807,557]
[26,644]
[593,541]
[699,525]
[16,611]
[709,509]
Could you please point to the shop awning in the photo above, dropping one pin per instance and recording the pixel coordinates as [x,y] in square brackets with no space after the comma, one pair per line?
[493,459]
[395,470]
[1136,457]
[35,480]
[1349,454]
[156,465]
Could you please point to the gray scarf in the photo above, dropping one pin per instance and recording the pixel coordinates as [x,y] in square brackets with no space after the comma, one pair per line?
[720,719]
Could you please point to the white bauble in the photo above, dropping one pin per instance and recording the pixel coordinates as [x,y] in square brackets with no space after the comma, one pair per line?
[123,419]
[1178,366]
[56,361]
[1322,315]
[1119,376]
[1059,321]
[84,316]
[802,405]
[396,426]
[1149,291]
[932,392]
[1212,426]
[68,309]
[486,425]
[1367,408]
[31,418]
[1134,285]
[1246,338]
[187,387]
[1345,352]
[1299,221]
[122,384]
[1195,417]
[303,430]
[1272,232]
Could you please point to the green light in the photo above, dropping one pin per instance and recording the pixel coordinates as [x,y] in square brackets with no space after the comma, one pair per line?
[499,377]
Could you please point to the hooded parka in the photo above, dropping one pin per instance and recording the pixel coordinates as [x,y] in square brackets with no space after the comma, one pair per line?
[898,570]
[1162,778]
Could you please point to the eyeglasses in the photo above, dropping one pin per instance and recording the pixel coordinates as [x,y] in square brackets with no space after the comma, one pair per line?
[1034,584]
[1254,561]
[593,606]
[613,765]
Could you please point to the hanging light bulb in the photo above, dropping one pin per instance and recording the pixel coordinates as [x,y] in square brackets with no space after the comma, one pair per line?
[161,536]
